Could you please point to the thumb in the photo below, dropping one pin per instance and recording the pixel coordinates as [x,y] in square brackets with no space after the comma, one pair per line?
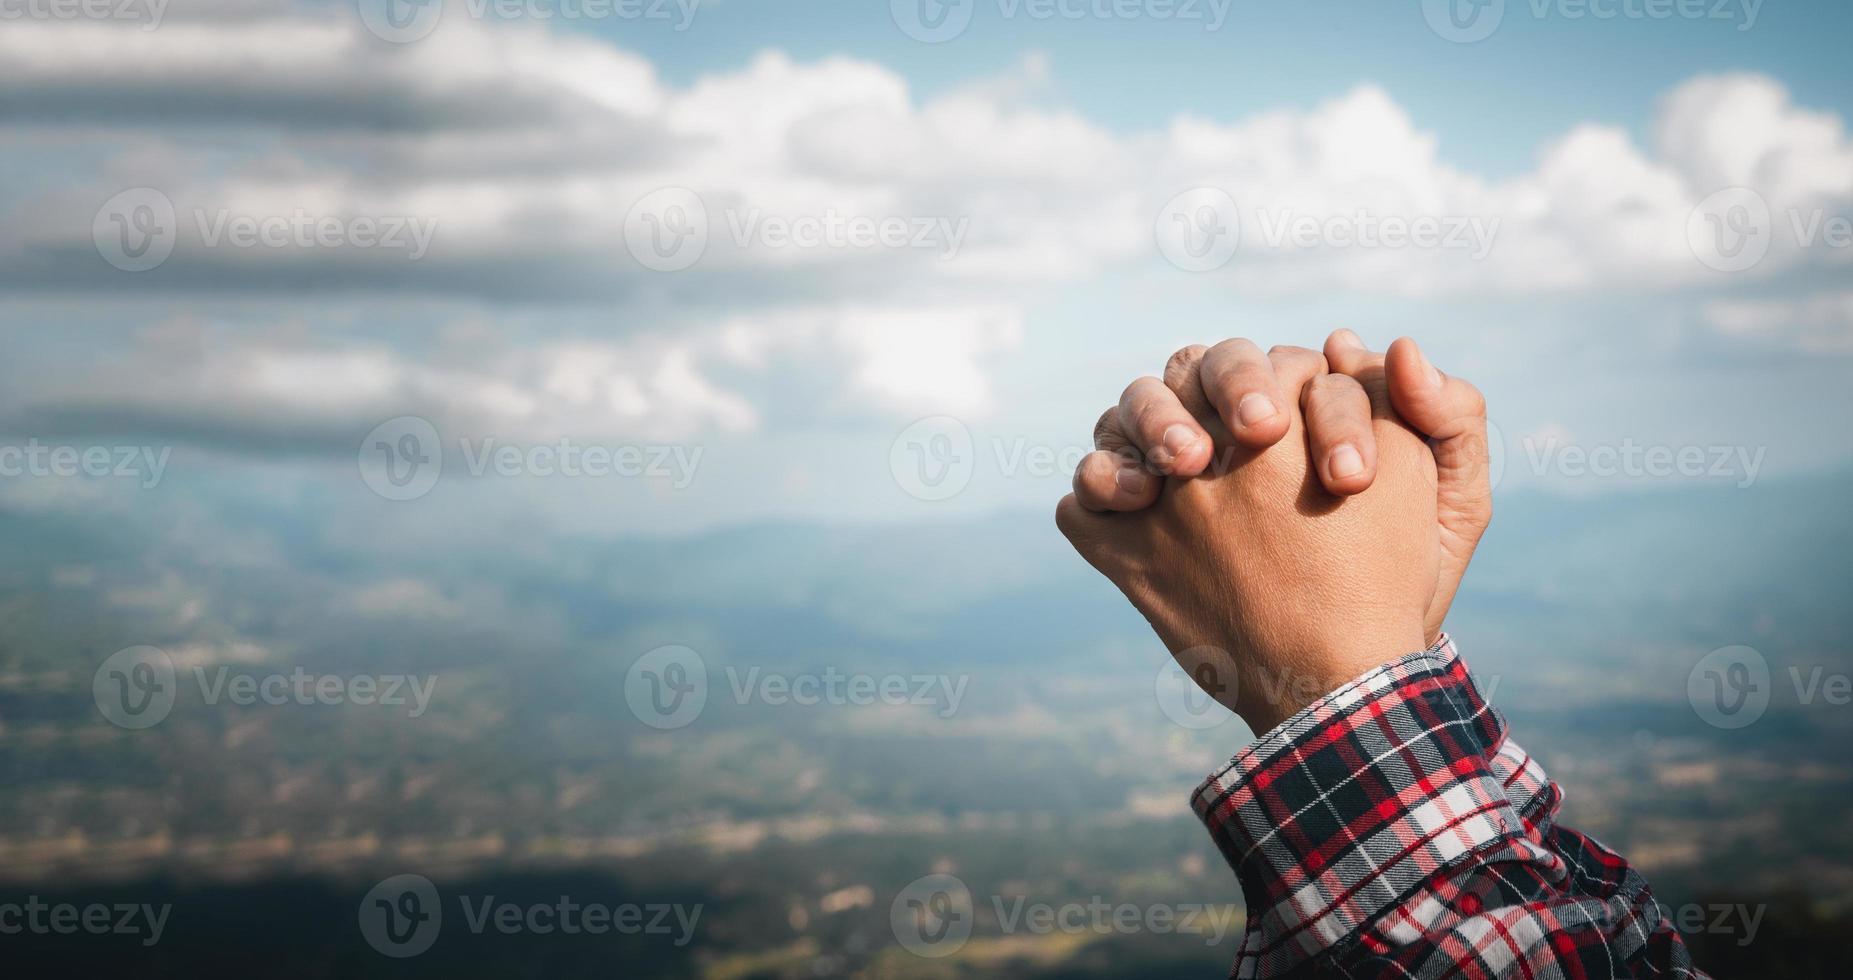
[1450,411]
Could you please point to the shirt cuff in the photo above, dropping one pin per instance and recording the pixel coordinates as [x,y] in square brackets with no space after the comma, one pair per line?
[1335,816]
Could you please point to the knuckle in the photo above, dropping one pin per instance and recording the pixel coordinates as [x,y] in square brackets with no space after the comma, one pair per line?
[1333,385]
[1289,354]
[1142,416]
[1131,392]
[1094,467]
[1226,388]
[1108,427]
[1240,347]
[1068,517]
[1474,399]
[1181,368]
[1149,414]
[1184,357]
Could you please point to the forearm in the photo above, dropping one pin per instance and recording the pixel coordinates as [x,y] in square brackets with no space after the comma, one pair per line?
[1391,829]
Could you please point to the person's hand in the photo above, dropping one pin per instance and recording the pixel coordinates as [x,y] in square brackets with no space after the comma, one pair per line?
[1251,569]
[1237,385]
[1229,394]
[1452,414]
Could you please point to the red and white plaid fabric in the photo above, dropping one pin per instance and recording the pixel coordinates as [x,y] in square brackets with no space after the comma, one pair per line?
[1391,830]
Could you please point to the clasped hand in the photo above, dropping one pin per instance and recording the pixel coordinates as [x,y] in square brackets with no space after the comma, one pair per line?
[1286,520]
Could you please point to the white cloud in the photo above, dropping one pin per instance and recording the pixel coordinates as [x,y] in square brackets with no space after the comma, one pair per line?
[906,361]
[926,361]
[528,147]
[401,597]
[1822,322]
[279,391]
[1741,130]
[589,380]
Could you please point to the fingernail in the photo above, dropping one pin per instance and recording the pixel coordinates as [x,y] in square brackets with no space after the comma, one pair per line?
[1179,439]
[1131,480]
[1255,408]
[1345,462]
[1346,338]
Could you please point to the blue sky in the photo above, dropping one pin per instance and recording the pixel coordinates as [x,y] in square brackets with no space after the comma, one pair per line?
[515,349]
[1040,160]
[1492,102]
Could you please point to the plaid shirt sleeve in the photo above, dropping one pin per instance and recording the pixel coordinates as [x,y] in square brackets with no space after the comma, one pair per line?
[1392,830]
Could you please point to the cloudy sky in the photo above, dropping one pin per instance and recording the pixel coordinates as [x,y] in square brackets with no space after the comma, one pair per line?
[746,246]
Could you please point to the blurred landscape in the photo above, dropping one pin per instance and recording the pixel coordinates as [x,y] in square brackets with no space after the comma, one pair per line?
[1056,778]
[559,488]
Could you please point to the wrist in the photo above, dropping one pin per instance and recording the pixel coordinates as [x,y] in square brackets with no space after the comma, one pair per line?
[1273,691]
